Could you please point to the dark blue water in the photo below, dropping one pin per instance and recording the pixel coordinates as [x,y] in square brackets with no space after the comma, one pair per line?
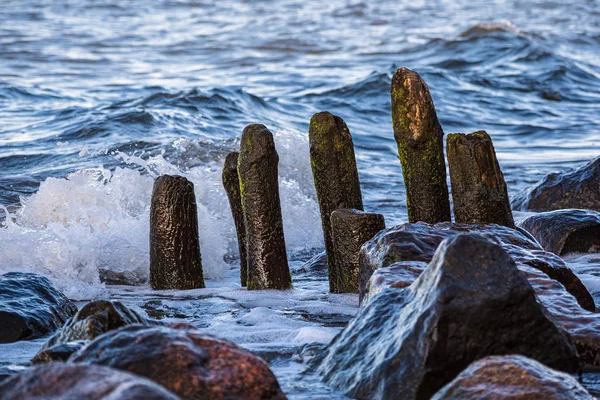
[99,97]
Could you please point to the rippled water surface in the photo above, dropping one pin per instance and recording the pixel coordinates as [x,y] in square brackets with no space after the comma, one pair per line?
[99,97]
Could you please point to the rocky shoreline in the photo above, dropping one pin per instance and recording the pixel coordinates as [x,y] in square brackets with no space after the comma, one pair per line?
[483,307]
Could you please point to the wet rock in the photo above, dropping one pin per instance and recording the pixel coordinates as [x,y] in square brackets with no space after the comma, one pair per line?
[334,171]
[184,360]
[479,192]
[420,140]
[418,242]
[350,230]
[512,377]
[30,307]
[566,231]
[231,183]
[406,241]
[317,265]
[74,381]
[259,188]
[398,275]
[94,319]
[59,352]
[570,189]
[470,302]
[175,260]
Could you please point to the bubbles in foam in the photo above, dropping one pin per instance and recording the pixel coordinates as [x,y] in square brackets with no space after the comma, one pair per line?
[96,221]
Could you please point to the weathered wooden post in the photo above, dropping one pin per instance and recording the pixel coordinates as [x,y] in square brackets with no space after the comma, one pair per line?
[334,172]
[350,230]
[419,136]
[259,188]
[175,260]
[231,183]
[478,188]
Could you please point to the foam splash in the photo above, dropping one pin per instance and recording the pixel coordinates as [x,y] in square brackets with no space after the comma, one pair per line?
[96,221]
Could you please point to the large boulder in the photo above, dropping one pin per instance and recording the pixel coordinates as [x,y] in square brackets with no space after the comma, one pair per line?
[418,242]
[566,231]
[30,307]
[184,360]
[571,189]
[512,377]
[75,381]
[94,319]
[470,302]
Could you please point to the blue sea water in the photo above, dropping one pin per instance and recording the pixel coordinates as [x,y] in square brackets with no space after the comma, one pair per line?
[98,97]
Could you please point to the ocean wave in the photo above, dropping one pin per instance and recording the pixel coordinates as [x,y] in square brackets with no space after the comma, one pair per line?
[93,225]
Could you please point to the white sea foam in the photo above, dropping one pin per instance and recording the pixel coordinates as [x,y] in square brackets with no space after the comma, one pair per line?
[96,219]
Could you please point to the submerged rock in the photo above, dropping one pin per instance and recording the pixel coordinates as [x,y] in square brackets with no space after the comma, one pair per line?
[94,319]
[30,307]
[512,377]
[418,242]
[570,189]
[470,302]
[566,231]
[75,381]
[183,359]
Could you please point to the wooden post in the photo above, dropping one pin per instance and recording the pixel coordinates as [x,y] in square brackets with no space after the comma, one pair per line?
[259,188]
[350,229]
[478,188]
[419,137]
[334,172]
[175,260]
[231,183]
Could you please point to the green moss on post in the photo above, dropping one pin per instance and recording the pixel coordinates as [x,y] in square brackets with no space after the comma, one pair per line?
[419,136]
[259,190]
[231,183]
[350,230]
[335,174]
[175,260]
[478,189]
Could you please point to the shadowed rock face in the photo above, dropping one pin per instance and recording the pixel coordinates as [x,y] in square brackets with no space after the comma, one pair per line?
[470,302]
[420,140]
[418,242]
[350,230]
[94,319]
[259,188]
[175,261]
[30,307]
[186,361]
[231,183]
[570,189]
[478,189]
[512,377]
[566,231]
[334,171]
[75,381]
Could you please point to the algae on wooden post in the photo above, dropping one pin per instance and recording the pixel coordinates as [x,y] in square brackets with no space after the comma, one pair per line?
[334,171]
[259,189]
[419,136]
[175,260]
[231,183]
[350,230]
[478,188]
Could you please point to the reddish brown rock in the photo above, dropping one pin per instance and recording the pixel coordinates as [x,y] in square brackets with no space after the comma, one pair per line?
[186,361]
[76,381]
[512,377]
